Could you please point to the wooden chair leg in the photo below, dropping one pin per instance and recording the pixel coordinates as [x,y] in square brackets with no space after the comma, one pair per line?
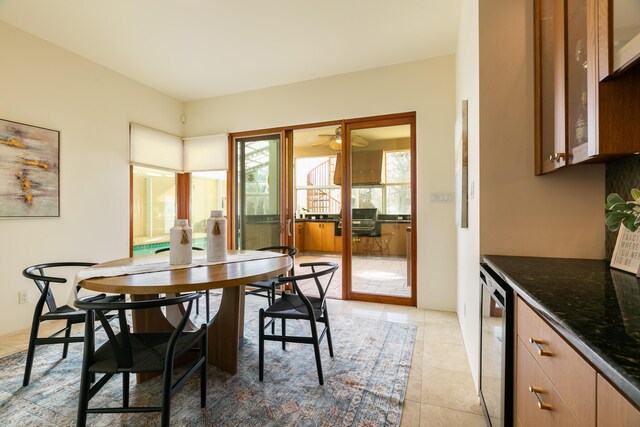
[326,321]
[261,344]
[83,398]
[32,350]
[271,301]
[203,369]
[67,334]
[316,350]
[284,332]
[165,417]
[208,305]
[125,389]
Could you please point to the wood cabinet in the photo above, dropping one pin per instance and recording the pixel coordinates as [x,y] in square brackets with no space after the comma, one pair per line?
[538,402]
[555,386]
[613,409]
[580,118]
[366,167]
[573,379]
[393,236]
[320,237]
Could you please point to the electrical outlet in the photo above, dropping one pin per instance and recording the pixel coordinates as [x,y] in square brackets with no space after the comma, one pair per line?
[23,297]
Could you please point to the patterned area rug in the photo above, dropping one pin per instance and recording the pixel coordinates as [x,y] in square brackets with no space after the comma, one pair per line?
[365,383]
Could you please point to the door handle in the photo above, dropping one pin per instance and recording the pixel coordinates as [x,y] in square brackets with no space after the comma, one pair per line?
[289,228]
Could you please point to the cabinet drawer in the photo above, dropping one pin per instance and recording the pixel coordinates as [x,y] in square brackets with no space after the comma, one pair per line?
[574,378]
[531,408]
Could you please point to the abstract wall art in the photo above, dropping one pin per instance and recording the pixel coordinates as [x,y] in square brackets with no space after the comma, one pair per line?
[29,171]
[462,166]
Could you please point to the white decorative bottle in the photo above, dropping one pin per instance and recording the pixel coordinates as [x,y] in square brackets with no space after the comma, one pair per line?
[216,237]
[180,243]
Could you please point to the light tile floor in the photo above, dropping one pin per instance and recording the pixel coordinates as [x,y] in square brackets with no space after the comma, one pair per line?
[371,274]
[440,391]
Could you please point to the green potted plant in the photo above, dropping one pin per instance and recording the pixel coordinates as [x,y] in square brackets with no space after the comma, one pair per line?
[623,212]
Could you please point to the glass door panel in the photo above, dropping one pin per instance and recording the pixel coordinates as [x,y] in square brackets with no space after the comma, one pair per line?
[577,89]
[258,192]
[381,208]
[626,32]
[317,200]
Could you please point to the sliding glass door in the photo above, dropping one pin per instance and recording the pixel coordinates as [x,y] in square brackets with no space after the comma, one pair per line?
[258,194]
[340,191]
[381,198]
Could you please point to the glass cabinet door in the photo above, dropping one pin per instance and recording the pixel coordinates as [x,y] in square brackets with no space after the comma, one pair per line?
[549,85]
[578,61]
[626,32]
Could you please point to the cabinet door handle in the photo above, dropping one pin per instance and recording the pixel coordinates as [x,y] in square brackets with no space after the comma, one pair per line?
[542,352]
[556,157]
[537,392]
[289,227]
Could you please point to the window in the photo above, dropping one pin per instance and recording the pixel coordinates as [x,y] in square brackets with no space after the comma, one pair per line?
[367,197]
[397,180]
[154,209]
[316,191]
[208,192]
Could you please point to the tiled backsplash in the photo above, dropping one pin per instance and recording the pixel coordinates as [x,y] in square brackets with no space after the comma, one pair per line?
[622,175]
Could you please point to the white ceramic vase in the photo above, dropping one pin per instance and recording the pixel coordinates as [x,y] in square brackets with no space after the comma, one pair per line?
[216,237]
[180,241]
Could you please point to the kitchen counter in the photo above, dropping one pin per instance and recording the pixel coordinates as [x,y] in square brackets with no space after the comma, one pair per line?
[383,221]
[595,308]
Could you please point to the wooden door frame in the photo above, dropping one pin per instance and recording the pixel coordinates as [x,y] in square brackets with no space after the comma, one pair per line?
[287,199]
[366,123]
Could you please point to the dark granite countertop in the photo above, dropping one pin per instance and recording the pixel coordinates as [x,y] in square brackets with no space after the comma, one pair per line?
[595,308]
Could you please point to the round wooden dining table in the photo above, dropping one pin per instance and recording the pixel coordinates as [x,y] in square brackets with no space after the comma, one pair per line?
[228,324]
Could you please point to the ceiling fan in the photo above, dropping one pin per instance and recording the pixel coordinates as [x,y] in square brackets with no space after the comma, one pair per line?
[335,140]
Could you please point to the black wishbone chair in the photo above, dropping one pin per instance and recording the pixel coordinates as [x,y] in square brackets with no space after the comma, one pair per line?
[128,353]
[40,274]
[298,306]
[269,285]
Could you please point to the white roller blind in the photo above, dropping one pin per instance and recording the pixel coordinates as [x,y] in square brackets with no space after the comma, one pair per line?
[150,147]
[206,153]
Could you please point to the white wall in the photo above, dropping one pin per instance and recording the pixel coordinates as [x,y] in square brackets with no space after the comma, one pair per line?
[46,86]
[468,87]
[558,215]
[426,87]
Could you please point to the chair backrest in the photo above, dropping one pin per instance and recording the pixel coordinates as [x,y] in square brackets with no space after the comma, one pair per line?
[292,251]
[318,270]
[159,251]
[42,280]
[97,306]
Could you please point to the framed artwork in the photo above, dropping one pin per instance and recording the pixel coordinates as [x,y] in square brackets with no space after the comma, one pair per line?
[462,167]
[29,171]
[626,255]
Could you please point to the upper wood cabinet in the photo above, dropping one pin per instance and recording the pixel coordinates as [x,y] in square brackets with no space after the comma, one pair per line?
[579,117]
[366,168]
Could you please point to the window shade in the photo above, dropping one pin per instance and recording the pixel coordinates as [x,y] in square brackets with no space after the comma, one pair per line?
[206,153]
[150,147]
